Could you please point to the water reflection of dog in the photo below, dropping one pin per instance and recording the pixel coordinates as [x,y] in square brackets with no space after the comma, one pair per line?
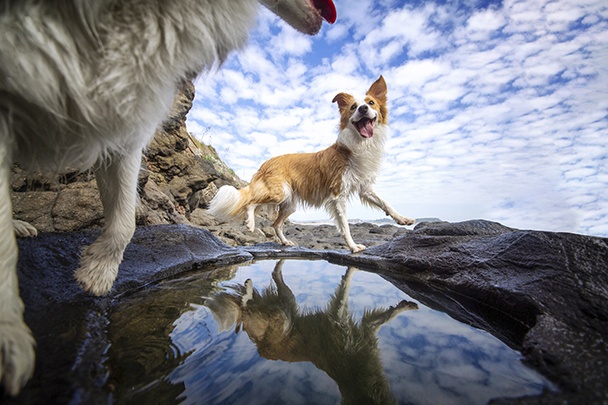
[331,339]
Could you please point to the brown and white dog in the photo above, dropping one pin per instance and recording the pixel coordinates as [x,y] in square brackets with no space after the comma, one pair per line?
[85,83]
[322,179]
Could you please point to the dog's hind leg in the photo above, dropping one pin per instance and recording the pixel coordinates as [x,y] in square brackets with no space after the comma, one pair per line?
[16,341]
[117,183]
[285,210]
[285,293]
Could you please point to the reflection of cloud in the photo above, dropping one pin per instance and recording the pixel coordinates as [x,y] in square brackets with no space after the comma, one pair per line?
[437,360]
[428,357]
[488,105]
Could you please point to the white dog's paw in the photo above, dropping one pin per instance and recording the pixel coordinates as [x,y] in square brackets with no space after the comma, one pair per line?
[16,356]
[287,242]
[357,248]
[403,220]
[24,229]
[97,271]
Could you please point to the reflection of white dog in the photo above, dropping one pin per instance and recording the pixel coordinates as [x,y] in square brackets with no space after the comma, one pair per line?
[332,340]
[85,84]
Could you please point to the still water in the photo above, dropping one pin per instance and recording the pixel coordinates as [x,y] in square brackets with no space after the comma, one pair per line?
[301,332]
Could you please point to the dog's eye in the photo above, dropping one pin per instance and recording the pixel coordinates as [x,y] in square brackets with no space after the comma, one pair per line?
[352,107]
[371,102]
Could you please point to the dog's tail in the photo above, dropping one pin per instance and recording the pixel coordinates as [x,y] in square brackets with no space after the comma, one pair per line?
[229,203]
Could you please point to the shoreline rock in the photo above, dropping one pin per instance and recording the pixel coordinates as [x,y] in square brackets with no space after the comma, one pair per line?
[542,293]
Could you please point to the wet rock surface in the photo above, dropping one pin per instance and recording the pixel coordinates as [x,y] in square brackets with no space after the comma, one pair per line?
[543,293]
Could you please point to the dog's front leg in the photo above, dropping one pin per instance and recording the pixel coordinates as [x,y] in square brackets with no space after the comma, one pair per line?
[117,183]
[373,320]
[370,197]
[339,303]
[337,209]
[16,341]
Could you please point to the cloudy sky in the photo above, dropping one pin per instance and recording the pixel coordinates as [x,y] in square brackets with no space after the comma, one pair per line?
[498,110]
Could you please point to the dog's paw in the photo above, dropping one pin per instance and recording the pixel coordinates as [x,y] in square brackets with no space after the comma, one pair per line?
[24,229]
[406,305]
[357,248]
[404,221]
[97,272]
[289,243]
[16,356]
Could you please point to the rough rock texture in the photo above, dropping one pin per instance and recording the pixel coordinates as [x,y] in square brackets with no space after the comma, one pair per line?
[70,325]
[543,293]
[321,237]
[179,176]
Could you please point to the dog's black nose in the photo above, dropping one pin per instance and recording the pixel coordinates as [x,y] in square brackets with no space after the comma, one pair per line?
[363,108]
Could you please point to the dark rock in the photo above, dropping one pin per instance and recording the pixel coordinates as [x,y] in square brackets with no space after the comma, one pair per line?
[554,285]
[69,325]
[542,293]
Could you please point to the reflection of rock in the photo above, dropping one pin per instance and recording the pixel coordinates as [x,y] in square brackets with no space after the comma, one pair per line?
[543,293]
[332,340]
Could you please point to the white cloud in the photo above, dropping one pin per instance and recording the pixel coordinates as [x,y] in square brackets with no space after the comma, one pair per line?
[497,113]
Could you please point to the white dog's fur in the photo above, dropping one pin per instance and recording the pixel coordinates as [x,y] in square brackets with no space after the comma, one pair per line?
[85,83]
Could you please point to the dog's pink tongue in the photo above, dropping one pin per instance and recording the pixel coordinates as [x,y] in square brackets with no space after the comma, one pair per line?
[327,9]
[367,129]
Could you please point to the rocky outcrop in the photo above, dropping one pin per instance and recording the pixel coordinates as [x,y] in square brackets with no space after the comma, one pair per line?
[178,178]
[542,293]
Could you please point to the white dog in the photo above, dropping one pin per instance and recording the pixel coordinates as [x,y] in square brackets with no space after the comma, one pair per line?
[85,83]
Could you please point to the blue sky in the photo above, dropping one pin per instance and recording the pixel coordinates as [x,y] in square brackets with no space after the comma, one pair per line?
[498,110]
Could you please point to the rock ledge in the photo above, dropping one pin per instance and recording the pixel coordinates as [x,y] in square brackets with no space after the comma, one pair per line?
[543,293]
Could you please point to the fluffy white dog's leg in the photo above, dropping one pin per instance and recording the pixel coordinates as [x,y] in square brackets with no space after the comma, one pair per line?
[16,341]
[117,183]
[337,209]
[24,229]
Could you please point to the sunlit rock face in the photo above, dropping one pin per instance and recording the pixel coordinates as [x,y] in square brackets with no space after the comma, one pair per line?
[178,177]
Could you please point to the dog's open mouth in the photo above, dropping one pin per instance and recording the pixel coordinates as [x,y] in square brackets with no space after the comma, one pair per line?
[365,126]
[326,9]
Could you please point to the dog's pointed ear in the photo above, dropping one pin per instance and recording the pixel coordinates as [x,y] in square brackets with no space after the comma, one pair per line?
[341,99]
[378,90]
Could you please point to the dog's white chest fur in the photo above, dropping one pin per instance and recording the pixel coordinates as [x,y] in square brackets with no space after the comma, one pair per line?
[365,160]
